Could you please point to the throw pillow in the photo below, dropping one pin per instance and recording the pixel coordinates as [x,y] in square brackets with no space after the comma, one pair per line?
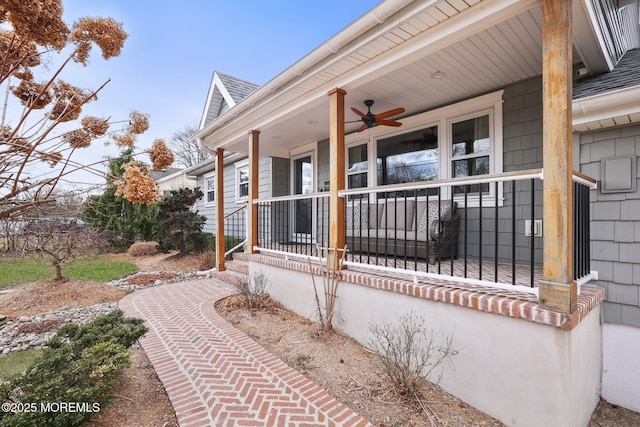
[357,217]
[432,212]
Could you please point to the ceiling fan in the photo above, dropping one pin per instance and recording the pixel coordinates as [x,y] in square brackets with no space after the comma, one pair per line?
[369,119]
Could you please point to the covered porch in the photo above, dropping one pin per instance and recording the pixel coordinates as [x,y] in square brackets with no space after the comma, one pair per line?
[493,239]
[473,201]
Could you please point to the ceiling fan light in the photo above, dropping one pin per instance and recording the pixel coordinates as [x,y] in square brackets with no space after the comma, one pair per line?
[438,75]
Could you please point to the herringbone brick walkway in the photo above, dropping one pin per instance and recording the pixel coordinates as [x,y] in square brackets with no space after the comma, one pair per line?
[217,376]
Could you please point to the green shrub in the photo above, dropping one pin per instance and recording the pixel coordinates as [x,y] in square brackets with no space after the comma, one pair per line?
[80,366]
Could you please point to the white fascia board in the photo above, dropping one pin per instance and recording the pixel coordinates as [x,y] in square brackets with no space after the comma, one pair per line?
[216,84]
[606,106]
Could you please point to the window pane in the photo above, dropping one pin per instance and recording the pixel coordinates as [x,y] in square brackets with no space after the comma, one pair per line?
[471,136]
[471,167]
[211,195]
[243,190]
[244,176]
[358,159]
[303,176]
[410,157]
[357,180]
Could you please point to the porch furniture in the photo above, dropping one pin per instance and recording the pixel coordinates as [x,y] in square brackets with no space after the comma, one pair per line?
[404,228]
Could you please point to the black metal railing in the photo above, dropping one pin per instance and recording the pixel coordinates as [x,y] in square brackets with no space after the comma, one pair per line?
[581,226]
[235,230]
[469,229]
[294,224]
[479,230]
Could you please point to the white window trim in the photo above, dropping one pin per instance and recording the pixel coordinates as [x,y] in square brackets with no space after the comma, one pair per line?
[490,103]
[207,177]
[241,166]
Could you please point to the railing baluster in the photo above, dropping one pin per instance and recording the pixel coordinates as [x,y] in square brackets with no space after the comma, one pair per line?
[405,231]
[415,237]
[577,245]
[495,267]
[466,216]
[513,232]
[533,240]
[428,263]
[480,236]
[439,253]
[452,232]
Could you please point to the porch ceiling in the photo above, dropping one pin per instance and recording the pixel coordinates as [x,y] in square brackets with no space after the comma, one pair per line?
[479,46]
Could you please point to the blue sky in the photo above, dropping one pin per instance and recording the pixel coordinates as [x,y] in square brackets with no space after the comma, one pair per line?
[173,48]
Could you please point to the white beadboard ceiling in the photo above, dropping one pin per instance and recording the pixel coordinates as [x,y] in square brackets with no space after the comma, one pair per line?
[394,68]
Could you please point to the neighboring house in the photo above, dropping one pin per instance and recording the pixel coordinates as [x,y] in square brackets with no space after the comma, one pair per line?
[172,179]
[479,174]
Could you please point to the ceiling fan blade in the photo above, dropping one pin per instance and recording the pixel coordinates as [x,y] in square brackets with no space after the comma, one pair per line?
[363,127]
[358,112]
[390,113]
[354,121]
[388,123]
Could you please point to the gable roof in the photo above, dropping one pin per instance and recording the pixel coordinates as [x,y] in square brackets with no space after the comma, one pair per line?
[624,75]
[159,174]
[225,91]
[610,99]
[237,88]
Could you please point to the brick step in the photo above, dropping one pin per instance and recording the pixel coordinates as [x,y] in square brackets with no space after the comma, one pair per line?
[239,266]
[230,276]
[240,256]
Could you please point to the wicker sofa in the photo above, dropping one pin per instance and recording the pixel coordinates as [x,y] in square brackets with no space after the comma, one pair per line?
[399,228]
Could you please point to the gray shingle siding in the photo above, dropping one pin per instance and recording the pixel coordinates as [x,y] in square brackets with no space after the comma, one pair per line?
[615,226]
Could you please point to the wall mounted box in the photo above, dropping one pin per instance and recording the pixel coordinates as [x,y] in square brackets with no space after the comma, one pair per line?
[618,174]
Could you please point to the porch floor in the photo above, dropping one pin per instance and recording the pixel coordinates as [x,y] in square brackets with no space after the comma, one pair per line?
[456,268]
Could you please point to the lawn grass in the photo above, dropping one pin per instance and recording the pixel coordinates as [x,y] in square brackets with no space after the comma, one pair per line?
[18,362]
[100,269]
[23,270]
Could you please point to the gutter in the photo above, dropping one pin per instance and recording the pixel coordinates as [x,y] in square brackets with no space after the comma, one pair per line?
[374,17]
[606,106]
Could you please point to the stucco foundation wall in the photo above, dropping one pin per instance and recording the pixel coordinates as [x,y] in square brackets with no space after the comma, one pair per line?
[621,365]
[523,373]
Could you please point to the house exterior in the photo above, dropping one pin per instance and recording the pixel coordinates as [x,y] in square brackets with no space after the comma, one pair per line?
[521,119]
[172,179]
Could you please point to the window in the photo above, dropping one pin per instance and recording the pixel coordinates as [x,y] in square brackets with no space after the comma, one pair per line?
[357,167]
[242,180]
[471,150]
[459,140]
[409,157]
[210,186]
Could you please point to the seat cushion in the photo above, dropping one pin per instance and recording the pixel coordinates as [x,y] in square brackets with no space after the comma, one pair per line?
[398,215]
